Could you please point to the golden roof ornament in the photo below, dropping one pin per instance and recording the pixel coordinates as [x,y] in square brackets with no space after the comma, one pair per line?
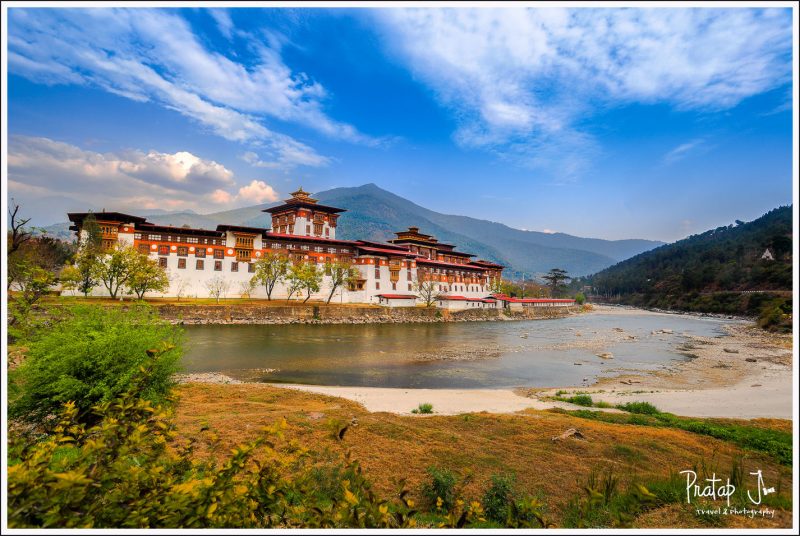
[302,196]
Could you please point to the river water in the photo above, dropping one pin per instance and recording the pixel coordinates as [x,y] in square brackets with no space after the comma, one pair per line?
[536,353]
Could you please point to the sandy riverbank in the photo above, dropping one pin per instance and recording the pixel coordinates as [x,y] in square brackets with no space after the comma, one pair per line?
[747,374]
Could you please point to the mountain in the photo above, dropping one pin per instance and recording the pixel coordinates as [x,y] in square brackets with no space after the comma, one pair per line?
[723,270]
[375,214]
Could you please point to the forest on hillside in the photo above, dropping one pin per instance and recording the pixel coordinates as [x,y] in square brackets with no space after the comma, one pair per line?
[742,268]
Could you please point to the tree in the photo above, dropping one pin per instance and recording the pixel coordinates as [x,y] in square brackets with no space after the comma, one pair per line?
[246,287]
[426,289]
[179,287]
[146,275]
[89,252]
[303,276]
[580,298]
[556,278]
[341,273]
[19,234]
[116,268]
[271,269]
[70,278]
[218,287]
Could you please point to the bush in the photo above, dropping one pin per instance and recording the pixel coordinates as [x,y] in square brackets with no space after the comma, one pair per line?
[423,408]
[580,298]
[498,497]
[581,400]
[89,356]
[641,408]
[440,492]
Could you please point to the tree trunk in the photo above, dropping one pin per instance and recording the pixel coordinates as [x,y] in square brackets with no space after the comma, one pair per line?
[330,296]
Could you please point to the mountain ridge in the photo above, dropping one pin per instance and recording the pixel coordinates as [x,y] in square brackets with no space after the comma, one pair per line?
[376,214]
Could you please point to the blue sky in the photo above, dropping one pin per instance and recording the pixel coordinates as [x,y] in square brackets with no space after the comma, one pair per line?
[613,123]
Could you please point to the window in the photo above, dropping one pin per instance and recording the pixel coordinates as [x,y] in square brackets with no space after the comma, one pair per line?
[291,229]
[162,262]
[234,266]
[318,249]
[217,266]
[327,231]
[304,247]
[199,265]
[377,273]
[183,251]
[308,229]
[200,253]
[244,241]
[144,249]
[275,245]
[317,228]
[331,250]
[394,286]
[181,264]
[137,236]
[155,237]
[377,285]
[251,267]
[408,274]
[163,250]
[192,239]
[219,253]
[344,250]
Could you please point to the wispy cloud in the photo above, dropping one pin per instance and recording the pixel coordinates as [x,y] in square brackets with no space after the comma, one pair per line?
[519,81]
[129,180]
[683,150]
[154,55]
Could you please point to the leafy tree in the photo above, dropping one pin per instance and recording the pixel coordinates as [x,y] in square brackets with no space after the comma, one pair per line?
[70,277]
[426,289]
[116,268]
[304,277]
[89,253]
[342,273]
[146,275]
[218,287]
[556,278]
[89,356]
[271,269]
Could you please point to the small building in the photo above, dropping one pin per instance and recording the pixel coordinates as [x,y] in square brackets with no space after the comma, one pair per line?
[397,300]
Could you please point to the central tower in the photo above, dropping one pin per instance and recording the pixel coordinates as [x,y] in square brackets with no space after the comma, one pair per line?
[301,215]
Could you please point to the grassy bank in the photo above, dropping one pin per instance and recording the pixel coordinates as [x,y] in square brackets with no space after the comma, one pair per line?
[480,446]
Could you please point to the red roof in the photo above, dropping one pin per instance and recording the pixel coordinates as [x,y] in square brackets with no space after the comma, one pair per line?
[397,296]
[385,251]
[453,298]
[425,260]
[308,238]
[503,297]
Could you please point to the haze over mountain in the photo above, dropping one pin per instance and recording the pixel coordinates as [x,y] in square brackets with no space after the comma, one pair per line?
[375,214]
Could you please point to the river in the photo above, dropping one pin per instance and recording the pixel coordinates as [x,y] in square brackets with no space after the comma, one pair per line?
[536,353]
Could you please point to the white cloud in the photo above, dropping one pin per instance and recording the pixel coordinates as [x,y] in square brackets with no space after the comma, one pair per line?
[223,20]
[683,150]
[153,55]
[257,192]
[130,180]
[519,81]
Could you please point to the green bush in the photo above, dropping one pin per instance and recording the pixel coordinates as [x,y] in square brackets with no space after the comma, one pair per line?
[580,298]
[641,408]
[498,497]
[581,400]
[89,355]
[440,491]
[423,408]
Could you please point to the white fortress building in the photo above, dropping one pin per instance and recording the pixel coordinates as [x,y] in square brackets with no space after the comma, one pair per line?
[305,231]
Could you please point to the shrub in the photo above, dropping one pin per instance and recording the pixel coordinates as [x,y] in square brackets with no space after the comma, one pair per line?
[641,408]
[581,400]
[89,356]
[423,408]
[580,298]
[441,490]
[498,497]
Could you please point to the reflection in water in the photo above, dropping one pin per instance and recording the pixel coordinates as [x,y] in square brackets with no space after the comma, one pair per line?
[447,355]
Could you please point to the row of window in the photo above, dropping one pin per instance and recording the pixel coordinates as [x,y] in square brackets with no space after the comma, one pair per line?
[200,264]
[179,238]
[394,274]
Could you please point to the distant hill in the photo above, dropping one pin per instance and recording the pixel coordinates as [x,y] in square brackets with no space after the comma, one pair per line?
[721,270]
[375,214]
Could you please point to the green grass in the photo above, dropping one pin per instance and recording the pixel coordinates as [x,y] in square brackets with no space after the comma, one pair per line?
[578,400]
[424,408]
[775,443]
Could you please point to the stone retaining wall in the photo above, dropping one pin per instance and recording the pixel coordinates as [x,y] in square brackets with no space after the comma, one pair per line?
[314,314]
